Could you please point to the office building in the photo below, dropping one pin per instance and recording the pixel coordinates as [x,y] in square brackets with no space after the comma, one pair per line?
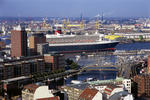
[21,67]
[42,48]
[57,61]
[18,42]
[34,40]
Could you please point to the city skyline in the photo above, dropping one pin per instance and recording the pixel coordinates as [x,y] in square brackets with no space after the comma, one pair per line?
[73,8]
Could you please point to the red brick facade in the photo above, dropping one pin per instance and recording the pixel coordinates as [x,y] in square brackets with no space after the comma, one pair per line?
[143,86]
[18,43]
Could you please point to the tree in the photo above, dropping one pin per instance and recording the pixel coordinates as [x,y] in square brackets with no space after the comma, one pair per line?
[141,37]
[68,61]
[74,65]
[1,32]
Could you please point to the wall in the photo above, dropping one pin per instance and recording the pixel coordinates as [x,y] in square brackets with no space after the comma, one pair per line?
[98,96]
[42,92]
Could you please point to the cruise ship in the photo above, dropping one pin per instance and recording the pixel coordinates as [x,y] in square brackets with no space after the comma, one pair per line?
[79,43]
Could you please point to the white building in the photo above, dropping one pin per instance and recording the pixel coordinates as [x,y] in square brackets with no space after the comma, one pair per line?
[128,27]
[112,89]
[127,84]
[42,92]
[101,88]
[34,92]
[128,97]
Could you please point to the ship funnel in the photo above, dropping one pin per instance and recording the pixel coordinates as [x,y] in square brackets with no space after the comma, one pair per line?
[57,32]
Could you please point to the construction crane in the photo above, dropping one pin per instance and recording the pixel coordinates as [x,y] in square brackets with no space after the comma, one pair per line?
[67,25]
[82,24]
[97,25]
[97,21]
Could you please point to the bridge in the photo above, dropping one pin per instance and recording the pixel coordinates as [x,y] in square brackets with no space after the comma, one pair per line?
[98,68]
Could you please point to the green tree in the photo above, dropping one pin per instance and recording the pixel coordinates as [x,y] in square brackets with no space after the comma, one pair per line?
[68,61]
[141,37]
[1,31]
[74,65]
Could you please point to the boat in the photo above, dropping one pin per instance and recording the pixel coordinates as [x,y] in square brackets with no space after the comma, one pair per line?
[76,82]
[79,43]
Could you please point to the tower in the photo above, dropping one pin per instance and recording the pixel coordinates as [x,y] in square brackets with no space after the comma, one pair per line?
[18,42]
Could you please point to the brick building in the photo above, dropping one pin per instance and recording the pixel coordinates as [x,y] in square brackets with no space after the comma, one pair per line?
[143,84]
[18,42]
[21,67]
[30,65]
[2,45]
[34,40]
[148,64]
[18,71]
[57,61]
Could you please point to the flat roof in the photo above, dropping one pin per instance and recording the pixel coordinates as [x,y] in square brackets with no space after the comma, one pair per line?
[15,79]
[81,86]
[105,81]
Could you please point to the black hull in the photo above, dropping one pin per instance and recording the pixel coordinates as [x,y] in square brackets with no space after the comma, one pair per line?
[84,48]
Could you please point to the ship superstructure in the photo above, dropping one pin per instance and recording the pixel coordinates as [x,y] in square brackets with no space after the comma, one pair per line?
[79,43]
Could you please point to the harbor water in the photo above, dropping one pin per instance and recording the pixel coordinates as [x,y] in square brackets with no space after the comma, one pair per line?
[85,60]
[133,46]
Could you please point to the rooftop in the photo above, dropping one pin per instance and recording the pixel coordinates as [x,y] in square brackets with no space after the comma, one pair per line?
[79,86]
[88,94]
[50,98]
[108,90]
[15,79]
[118,95]
[31,87]
[105,81]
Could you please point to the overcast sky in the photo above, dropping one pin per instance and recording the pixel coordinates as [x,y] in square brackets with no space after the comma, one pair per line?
[73,8]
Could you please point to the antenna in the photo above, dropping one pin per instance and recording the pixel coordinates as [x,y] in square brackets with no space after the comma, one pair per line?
[81,17]
[102,17]
[81,22]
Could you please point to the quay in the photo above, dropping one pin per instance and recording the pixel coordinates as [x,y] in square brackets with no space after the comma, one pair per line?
[117,53]
[131,52]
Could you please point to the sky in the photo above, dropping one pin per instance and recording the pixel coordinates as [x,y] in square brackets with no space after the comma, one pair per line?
[74,8]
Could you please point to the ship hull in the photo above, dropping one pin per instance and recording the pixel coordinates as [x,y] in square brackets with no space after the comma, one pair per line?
[83,48]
